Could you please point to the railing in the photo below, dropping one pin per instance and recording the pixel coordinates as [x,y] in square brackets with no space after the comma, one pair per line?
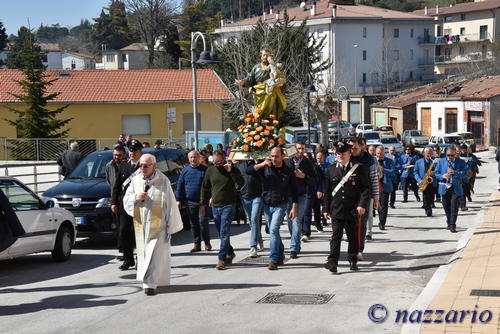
[476,56]
[442,59]
[37,176]
[465,38]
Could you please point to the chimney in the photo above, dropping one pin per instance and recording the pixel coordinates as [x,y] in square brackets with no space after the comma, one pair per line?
[222,23]
[437,9]
[425,10]
[313,9]
[334,11]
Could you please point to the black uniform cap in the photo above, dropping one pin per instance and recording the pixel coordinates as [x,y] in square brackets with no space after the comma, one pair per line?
[135,145]
[341,147]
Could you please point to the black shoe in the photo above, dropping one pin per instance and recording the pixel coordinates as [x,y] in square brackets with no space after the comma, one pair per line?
[404,201]
[448,227]
[150,292]
[281,261]
[464,208]
[433,205]
[418,199]
[392,206]
[382,227]
[429,214]
[469,198]
[331,267]
[368,237]
[293,255]
[319,227]
[126,265]
[453,229]
[267,230]
[354,266]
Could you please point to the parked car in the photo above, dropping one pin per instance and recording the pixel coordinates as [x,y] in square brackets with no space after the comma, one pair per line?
[87,195]
[48,229]
[363,127]
[389,141]
[469,139]
[415,138]
[385,130]
[372,137]
[345,128]
[446,140]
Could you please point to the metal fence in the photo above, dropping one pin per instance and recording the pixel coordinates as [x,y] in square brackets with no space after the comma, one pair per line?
[38,176]
[48,149]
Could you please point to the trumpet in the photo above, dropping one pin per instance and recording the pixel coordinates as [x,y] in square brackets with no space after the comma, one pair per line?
[427,179]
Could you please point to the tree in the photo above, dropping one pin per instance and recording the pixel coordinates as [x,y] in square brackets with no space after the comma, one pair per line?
[36,121]
[22,49]
[169,50]
[82,31]
[51,34]
[151,18]
[111,30]
[3,39]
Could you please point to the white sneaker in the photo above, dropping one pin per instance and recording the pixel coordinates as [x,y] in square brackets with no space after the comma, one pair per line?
[360,256]
[305,238]
[260,247]
[253,252]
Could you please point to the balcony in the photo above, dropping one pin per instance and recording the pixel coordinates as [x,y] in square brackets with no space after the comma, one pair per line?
[465,38]
[426,39]
[470,57]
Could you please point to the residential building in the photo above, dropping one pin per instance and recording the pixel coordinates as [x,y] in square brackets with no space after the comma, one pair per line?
[463,33]
[143,103]
[72,60]
[131,57]
[51,55]
[372,49]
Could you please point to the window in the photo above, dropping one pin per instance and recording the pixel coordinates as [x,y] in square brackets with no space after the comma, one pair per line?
[44,58]
[461,51]
[483,32]
[440,124]
[111,59]
[187,122]
[136,125]
[448,18]
[396,33]
[364,54]
[411,33]
[411,54]
[396,54]
[462,17]
[364,77]
[19,197]
[364,32]
[73,64]
[124,58]
[383,54]
[383,32]
[411,75]
[462,31]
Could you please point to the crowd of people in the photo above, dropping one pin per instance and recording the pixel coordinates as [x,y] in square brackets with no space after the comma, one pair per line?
[346,188]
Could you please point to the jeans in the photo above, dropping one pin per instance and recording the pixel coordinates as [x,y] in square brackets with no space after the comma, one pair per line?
[199,224]
[223,216]
[295,225]
[274,218]
[306,222]
[253,210]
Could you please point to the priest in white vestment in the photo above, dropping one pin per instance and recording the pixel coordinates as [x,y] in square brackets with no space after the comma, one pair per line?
[151,202]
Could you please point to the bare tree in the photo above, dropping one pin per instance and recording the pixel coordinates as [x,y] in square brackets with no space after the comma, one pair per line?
[150,18]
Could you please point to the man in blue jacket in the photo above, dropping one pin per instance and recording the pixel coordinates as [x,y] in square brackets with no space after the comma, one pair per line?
[450,173]
[188,193]
[420,171]
[408,160]
[387,178]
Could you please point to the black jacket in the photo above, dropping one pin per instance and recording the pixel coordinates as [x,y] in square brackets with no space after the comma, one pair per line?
[125,169]
[354,193]
[68,161]
[278,184]
[307,167]
[10,226]
[253,184]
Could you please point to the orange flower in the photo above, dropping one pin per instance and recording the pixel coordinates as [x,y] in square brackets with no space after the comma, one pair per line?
[259,129]
[246,148]
[266,133]
[259,111]
[280,141]
[254,120]
[260,143]
[265,121]
[248,119]
[272,116]
[269,127]
[275,122]
[249,139]
[245,135]
[234,142]
[257,137]
[249,114]
[271,141]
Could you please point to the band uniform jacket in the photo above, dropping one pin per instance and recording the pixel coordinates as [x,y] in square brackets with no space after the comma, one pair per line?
[355,192]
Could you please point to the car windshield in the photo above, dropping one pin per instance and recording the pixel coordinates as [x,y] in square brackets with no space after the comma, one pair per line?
[92,166]
[371,135]
[367,127]
[386,128]
[467,135]
[452,139]
[389,140]
[417,133]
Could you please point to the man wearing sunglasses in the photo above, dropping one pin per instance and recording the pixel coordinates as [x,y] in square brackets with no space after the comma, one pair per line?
[450,173]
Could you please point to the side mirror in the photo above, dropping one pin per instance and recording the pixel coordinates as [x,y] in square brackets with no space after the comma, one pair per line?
[50,204]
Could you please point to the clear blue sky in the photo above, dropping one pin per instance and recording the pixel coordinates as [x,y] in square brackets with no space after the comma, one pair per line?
[15,13]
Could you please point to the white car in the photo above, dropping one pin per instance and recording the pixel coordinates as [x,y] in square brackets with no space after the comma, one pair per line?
[389,141]
[363,127]
[372,137]
[48,229]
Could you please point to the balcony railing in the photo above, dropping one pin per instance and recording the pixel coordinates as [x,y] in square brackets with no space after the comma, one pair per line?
[465,38]
[476,56]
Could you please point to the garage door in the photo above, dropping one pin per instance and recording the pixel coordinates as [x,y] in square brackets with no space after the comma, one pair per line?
[380,118]
[425,121]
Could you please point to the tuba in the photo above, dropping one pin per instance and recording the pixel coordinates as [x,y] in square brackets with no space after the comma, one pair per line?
[427,179]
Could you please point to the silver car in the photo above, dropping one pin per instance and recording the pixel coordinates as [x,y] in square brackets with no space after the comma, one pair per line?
[415,138]
[389,141]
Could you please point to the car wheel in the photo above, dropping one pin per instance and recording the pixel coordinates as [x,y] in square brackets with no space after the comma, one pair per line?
[64,243]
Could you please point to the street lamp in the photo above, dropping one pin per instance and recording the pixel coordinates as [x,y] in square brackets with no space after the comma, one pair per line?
[342,95]
[355,69]
[206,57]
[309,89]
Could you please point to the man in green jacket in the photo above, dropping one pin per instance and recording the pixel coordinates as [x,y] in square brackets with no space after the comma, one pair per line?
[220,182]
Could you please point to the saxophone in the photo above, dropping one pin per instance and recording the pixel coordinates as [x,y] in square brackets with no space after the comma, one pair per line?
[427,179]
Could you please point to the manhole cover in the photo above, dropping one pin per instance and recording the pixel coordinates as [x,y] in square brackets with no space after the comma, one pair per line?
[485,293]
[257,260]
[296,298]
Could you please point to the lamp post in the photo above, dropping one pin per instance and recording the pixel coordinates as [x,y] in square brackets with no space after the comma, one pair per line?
[206,57]
[355,68]
[309,89]
[342,95]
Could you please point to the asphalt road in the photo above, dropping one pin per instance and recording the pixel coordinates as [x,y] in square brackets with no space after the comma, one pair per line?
[88,294]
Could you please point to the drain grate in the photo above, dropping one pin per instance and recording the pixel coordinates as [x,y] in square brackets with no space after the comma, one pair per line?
[485,293]
[296,298]
[258,260]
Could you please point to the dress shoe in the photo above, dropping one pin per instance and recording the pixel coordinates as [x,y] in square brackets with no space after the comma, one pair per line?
[404,201]
[354,266]
[150,292]
[429,214]
[195,249]
[453,229]
[330,266]
[418,199]
[469,198]
[422,207]
[281,261]
[208,247]
[229,258]
[293,255]
[392,206]
[272,266]
[126,265]
[368,237]
[382,227]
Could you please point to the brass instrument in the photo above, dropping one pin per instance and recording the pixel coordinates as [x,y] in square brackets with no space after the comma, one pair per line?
[427,179]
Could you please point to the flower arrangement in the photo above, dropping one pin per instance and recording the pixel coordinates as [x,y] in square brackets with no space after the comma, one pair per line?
[258,134]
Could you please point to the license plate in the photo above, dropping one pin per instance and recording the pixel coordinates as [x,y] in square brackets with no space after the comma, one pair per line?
[79,220]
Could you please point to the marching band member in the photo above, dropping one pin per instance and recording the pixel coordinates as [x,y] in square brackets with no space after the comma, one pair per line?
[408,160]
[423,170]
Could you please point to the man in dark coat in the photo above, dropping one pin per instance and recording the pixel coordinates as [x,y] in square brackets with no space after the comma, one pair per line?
[10,226]
[345,204]
[69,159]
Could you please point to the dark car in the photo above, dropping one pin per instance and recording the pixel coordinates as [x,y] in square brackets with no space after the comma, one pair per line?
[86,193]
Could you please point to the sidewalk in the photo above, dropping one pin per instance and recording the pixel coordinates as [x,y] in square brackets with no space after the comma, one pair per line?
[476,270]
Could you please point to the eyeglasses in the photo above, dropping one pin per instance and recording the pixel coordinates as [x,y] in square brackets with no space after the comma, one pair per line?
[145,165]
[450,155]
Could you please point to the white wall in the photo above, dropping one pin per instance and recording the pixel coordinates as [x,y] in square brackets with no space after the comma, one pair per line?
[136,60]
[438,111]
[54,60]
[68,59]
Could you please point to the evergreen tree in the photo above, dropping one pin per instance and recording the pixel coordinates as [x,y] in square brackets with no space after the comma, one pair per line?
[169,50]
[3,37]
[82,31]
[111,30]
[36,121]
[22,49]
[51,34]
